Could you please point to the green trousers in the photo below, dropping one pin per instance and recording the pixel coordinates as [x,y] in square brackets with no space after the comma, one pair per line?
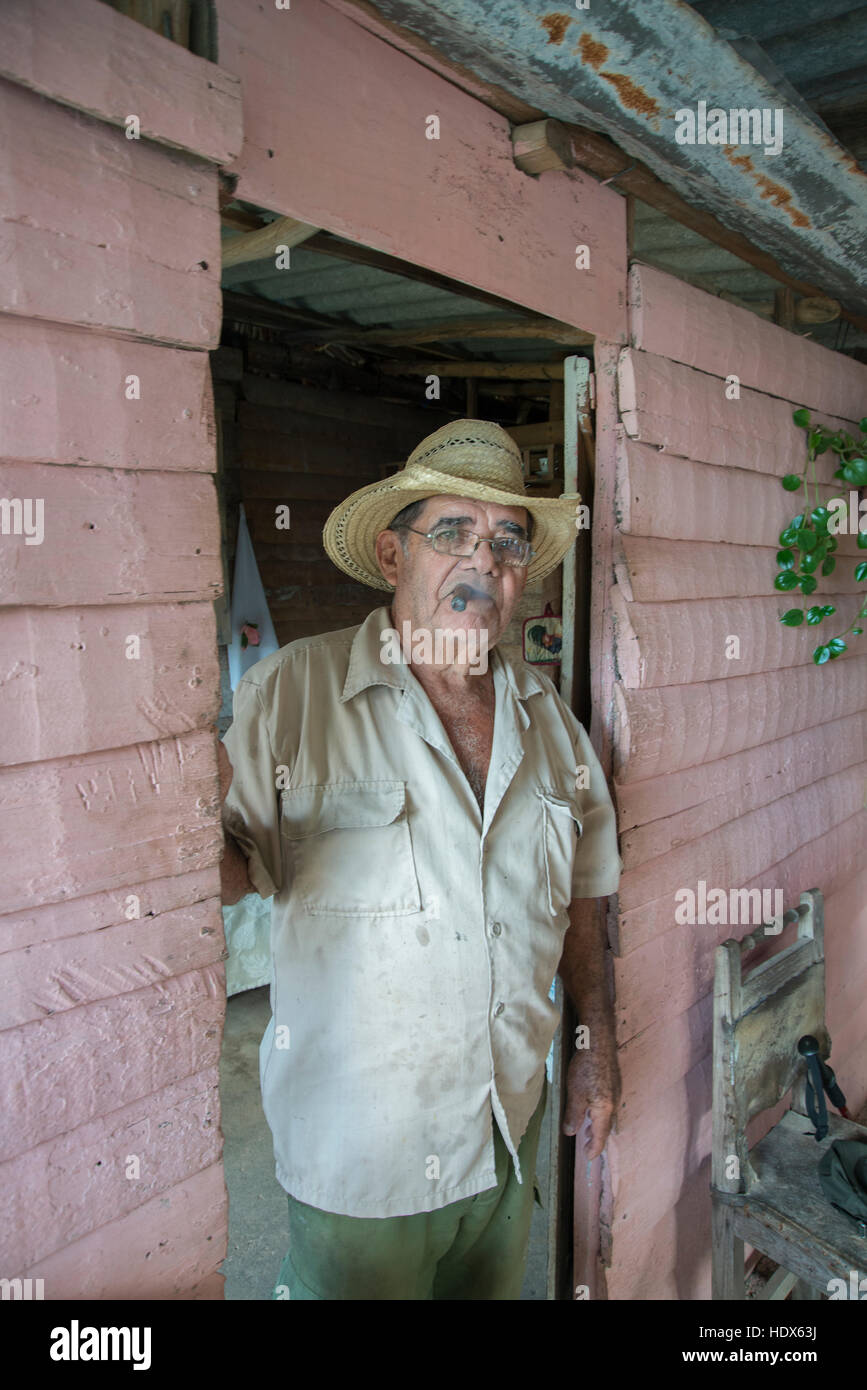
[475,1248]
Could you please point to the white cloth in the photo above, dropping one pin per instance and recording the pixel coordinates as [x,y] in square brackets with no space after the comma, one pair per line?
[249,605]
[414,940]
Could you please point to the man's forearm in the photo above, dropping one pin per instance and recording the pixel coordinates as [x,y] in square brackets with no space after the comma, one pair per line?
[582,966]
[234,878]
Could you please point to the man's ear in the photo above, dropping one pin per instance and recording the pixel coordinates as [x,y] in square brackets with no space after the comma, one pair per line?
[387,548]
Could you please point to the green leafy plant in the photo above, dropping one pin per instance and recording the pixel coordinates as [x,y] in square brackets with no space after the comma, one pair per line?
[809,541]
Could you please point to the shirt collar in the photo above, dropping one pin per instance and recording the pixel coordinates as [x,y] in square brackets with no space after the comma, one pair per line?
[366,667]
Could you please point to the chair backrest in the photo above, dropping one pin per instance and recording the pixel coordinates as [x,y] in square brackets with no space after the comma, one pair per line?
[758,1019]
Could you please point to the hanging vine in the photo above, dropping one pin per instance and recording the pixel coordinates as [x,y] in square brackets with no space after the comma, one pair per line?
[810,538]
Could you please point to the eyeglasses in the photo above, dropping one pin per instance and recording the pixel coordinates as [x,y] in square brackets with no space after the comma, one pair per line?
[458,540]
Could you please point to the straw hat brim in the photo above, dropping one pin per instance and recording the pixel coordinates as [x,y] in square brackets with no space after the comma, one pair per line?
[350,533]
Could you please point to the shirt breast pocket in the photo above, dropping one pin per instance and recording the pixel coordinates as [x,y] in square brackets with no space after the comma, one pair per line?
[349,849]
[561,831]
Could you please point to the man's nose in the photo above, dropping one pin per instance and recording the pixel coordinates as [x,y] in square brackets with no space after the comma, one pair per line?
[485,560]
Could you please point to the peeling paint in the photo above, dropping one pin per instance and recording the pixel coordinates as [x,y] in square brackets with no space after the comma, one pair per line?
[778,195]
[556,26]
[593,53]
[632,96]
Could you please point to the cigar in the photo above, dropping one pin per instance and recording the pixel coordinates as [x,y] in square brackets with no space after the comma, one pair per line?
[460,596]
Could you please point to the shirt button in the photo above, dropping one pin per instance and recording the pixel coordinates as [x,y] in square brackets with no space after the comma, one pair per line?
[496,928]
[499,1009]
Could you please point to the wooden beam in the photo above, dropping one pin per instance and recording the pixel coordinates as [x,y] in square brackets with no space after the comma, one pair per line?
[542,145]
[600,156]
[328,245]
[239,220]
[251,308]
[537,436]
[515,371]
[255,246]
[448,330]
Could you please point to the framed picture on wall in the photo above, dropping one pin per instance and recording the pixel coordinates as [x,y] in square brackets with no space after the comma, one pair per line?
[543,638]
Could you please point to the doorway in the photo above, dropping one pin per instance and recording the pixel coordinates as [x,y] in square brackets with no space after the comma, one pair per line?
[333,364]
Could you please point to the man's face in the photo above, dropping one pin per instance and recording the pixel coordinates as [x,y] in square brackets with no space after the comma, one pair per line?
[424,580]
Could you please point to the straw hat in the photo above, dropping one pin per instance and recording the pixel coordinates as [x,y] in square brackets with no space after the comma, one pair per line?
[465,458]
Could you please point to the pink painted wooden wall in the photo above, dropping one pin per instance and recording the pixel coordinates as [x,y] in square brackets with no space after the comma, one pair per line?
[741,773]
[334,135]
[112,993]
[745,773]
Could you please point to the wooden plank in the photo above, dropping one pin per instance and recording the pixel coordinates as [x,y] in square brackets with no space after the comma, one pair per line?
[679,499]
[686,952]
[327,245]
[658,815]
[660,1056]
[846,950]
[673,319]
[162,1250]
[290,445]
[828,859]
[129,534]
[603,532]
[75,1183]
[288,486]
[848,1039]
[537,436]
[678,1123]
[669,1259]
[306,520]
[674,727]
[173,687]
[263,242]
[123,1048]
[461,329]
[306,573]
[114,818]
[456,205]
[660,570]
[324,617]
[122,260]
[741,848]
[65,401]
[754,432]
[517,371]
[338,405]
[787,1205]
[91,913]
[314,600]
[55,975]
[87,57]
[541,145]
[680,643]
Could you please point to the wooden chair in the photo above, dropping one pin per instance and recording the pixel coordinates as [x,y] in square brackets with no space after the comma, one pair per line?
[770,1196]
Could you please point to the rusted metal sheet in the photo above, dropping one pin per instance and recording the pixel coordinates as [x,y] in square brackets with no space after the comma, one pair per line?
[629,71]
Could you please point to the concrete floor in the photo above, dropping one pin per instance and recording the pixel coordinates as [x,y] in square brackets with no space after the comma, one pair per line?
[258,1215]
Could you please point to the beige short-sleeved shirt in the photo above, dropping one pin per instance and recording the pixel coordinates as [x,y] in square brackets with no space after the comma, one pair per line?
[414,941]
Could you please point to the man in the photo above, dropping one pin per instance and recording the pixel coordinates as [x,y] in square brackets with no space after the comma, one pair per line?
[434,831]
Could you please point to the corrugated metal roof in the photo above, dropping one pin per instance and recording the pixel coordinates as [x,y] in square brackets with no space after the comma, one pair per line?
[366,296]
[628,70]
[820,49]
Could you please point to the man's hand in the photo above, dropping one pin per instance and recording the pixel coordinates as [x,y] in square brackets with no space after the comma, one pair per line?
[593,1083]
[593,1078]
